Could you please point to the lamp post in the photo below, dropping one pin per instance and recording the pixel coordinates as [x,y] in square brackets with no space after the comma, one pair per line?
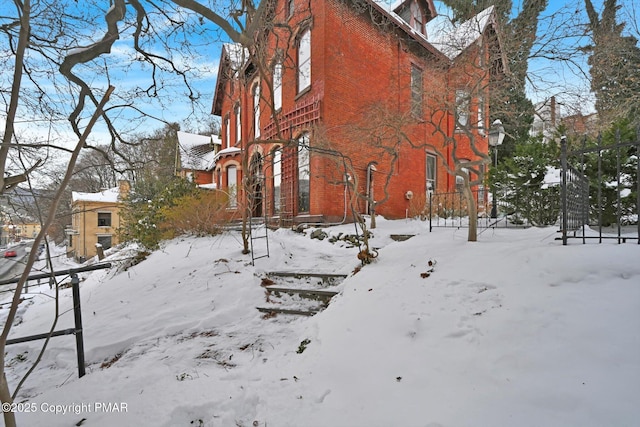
[496,136]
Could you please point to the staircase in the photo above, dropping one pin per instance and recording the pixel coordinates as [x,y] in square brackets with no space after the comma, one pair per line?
[300,294]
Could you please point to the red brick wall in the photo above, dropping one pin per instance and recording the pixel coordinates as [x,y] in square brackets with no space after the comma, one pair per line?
[358,67]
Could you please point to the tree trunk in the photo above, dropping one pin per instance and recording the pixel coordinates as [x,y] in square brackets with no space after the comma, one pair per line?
[472,210]
[5,395]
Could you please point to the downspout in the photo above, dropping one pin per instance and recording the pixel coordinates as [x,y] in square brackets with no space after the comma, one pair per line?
[371,168]
[84,230]
[449,130]
[398,71]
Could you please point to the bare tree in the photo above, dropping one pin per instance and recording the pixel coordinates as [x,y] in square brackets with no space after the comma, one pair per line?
[60,69]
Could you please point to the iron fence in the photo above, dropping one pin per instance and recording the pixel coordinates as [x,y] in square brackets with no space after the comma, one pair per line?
[516,206]
[584,203]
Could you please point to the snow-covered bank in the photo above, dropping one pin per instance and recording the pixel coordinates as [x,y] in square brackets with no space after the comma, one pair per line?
[511,330]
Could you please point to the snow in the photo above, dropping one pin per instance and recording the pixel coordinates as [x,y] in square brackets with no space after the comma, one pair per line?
[230,151]
[448,38]
[452,39]
[512,330]
[197,152]
[236,54]
[107,196]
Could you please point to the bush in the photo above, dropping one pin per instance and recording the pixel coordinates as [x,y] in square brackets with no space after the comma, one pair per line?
[201,214]
[178,208]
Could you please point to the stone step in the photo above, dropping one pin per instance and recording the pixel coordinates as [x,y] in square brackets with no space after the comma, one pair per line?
[305,293]
[276,310]
[324,279]
[289,288]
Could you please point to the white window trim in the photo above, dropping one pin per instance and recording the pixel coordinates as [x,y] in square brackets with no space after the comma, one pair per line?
[433,180]
[277,179]
[232,186]
[277,86]
[238,124]
[256,109]
[304,60]
[462,108]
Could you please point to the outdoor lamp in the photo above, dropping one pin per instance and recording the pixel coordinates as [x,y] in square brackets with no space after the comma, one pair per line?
[496,136]
[496,133]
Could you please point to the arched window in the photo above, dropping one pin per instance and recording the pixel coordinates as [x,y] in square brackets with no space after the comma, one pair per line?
[276,167]
[304,60]
[257,182]
[304,174]
[227,132]
[238,124]
[277,85]
[232,186]
[256,110]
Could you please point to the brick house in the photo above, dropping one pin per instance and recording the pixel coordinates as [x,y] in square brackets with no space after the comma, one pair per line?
[196,157]
[95,220]
[347,65]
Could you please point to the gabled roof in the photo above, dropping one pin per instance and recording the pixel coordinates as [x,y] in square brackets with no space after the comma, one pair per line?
[426,4]
[452,40]
[443,39]
[232,59]
[390,11]
[197,152]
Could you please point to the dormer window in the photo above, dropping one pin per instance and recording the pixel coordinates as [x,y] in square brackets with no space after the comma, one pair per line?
[417,18]
[416,13]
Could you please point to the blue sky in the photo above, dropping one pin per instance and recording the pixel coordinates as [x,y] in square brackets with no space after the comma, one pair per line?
[548,77]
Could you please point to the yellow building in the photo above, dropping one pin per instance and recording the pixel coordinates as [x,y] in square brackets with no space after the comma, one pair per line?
[95,221]
[21,230]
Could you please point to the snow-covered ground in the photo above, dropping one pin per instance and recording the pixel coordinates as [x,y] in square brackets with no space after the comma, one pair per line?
[513,330]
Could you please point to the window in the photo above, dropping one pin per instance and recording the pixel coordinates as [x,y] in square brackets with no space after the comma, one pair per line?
[417,18]
[256,110]
[462,109]
[416,91]
[304,61]
[238,124]
[232,186]
[277,180]
[371,168]
[227,132]
[481,115]
[304,173]
[219,178]
[104,219]
[104,241]
[460,178]
[290,7]
[277,85]
[431,174]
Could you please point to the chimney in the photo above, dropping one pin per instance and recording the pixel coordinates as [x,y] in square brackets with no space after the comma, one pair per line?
[553,112]
[124,187]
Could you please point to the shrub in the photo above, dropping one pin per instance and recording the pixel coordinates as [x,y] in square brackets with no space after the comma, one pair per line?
[201,213]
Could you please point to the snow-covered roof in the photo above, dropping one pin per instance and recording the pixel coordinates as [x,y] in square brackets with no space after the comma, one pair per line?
[197,152]
[106,196]
[236,54]
[227,152]
[210,186]
[451,39]
[441,33]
